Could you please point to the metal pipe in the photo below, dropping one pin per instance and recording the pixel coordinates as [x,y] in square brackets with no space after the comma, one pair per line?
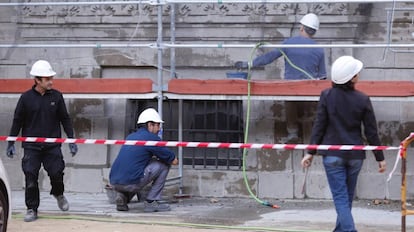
[74,3]
[160,45]
[278,1]
[160,68]
[180,149]
[96,45]
[172,41]
[220,45]
[157,2]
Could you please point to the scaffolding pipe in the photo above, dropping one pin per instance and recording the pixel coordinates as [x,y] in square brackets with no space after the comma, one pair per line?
[221,45]
[160,45]
[279,1]
[163,2]
[96,45]
[160,68]
[74,3]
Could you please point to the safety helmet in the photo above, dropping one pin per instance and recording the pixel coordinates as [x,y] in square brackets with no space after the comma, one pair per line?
[345,68]
[310,20]
[42,68]
[149,115]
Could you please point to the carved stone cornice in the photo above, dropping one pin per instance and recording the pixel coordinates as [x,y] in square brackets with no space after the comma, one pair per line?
[188,10]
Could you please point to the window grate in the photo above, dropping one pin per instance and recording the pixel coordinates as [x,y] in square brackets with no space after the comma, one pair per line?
[204,121]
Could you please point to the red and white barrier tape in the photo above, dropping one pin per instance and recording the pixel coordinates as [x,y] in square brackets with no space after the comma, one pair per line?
[198,144]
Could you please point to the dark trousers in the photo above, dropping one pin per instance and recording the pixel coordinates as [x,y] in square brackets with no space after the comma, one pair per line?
[156,173]
[53,163]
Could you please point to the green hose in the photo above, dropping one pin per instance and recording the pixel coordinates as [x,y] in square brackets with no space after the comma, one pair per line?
[160,223]
[250,64]
[246,133]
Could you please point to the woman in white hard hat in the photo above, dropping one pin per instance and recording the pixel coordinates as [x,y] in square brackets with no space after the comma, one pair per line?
[300,64]
[341,111]
[135,166]
[40,112]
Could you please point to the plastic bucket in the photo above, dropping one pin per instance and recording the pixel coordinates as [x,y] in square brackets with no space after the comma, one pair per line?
[239,75]
[110,193]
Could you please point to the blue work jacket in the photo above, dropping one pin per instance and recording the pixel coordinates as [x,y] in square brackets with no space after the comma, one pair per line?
[311,60]
[131,161]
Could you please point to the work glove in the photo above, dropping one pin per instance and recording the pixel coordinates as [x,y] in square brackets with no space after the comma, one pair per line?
[241,65]
[73,148]
[11,150]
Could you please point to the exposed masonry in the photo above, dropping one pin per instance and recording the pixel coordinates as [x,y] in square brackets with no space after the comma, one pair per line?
[272,174]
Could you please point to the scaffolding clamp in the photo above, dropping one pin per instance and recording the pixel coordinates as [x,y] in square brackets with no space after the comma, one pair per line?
[157,2]
[158,88]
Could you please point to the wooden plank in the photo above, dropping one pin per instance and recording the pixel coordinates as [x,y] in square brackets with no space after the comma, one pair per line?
[209,87]
[83,86]
[285,88]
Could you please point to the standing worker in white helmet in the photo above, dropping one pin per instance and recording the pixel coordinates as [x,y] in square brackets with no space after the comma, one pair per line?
[300,64]
[342,111]
[137,166]
[40,112]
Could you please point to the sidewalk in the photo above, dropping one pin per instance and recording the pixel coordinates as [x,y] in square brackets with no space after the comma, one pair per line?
[296,215]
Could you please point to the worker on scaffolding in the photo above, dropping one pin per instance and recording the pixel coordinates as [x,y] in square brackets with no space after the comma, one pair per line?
[137,166]
[300,64]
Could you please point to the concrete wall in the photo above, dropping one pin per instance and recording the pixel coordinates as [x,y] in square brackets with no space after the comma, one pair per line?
[272,174]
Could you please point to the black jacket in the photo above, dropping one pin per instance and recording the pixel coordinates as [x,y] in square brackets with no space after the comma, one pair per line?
[41,116]
[342,115]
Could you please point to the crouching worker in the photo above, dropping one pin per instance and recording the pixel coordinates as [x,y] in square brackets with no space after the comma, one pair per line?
[137,166]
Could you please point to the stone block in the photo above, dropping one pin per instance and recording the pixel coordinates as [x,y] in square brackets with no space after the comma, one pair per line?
[275,185]
[371,186]
[235,186]
[387,110]
[13,71]
[91,154]
[191,182]
[14,168]
[212,184]
[406,113]
[317,186]
[84,180]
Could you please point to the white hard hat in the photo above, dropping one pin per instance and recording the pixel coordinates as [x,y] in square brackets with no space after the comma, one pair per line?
[310,20]
[149,115]
[345,68]
[42,68]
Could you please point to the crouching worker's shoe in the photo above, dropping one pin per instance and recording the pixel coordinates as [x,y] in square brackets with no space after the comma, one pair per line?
[31,215]
[62,203]
[156,206]
[121,202]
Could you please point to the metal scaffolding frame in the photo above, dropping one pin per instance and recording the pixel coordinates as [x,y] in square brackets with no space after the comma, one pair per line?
[160,44]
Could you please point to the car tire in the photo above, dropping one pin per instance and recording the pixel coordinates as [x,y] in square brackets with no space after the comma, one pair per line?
[4,212]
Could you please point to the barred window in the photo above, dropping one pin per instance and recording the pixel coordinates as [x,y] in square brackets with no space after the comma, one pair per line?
[204,121]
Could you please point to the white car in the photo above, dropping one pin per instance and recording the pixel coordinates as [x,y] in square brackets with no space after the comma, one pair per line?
[5,206]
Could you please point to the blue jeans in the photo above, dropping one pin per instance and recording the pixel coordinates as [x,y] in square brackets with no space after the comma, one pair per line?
[342,177]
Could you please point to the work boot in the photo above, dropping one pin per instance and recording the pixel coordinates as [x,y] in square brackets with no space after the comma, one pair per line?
[63,204]
[31,215]
[156,206]
[121,202]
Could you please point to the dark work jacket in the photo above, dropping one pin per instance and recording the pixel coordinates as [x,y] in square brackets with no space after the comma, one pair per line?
[129,165]
[41,116]
[342,115]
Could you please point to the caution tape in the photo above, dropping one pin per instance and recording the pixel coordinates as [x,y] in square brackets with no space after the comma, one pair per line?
[197,144]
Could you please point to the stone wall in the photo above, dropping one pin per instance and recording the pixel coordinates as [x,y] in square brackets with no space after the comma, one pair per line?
[272,174]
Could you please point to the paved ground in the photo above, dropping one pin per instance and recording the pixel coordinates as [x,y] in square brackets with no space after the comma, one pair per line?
[228,213]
